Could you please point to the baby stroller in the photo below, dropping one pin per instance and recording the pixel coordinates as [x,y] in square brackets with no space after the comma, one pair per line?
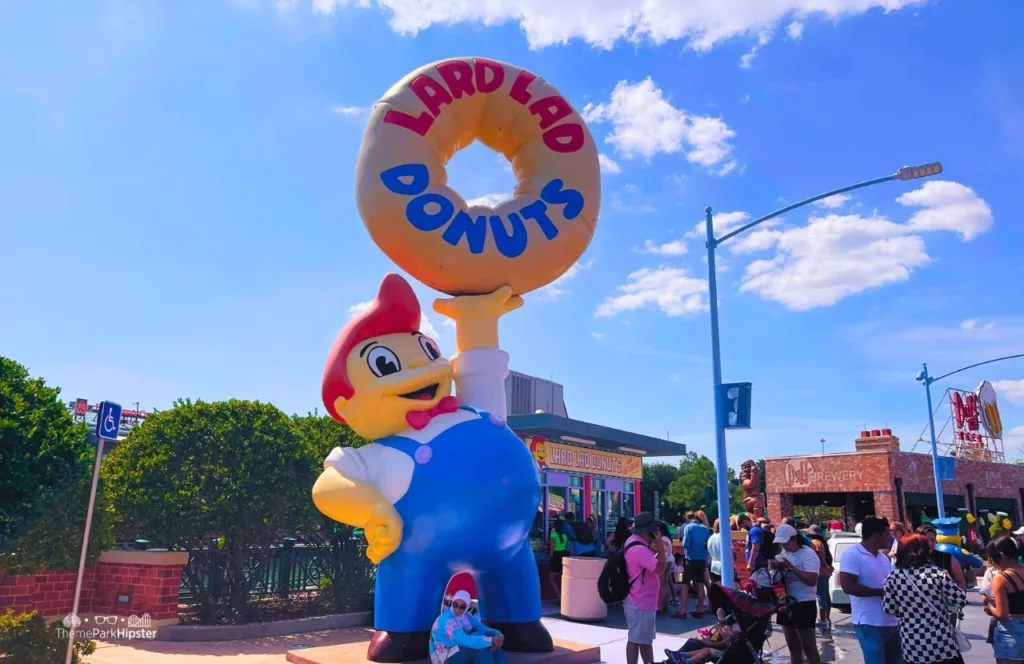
[754,620]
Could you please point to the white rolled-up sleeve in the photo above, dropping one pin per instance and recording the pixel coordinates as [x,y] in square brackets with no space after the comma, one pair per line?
[384,468]
[480,379]
[350,463]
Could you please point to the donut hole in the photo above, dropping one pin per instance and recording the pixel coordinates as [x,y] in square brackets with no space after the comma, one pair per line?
[482,175]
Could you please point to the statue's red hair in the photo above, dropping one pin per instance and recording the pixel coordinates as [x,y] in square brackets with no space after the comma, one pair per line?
[395,310]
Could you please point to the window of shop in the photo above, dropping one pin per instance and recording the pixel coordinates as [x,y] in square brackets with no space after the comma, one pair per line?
[556,502]
[538,530]
[628,500]
[614,506]
[575,498]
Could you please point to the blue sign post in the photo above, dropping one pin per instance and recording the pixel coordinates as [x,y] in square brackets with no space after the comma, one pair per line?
[736,403]
[108,423]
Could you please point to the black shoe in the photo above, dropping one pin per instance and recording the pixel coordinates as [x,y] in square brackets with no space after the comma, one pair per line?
[397,647]
[525,637]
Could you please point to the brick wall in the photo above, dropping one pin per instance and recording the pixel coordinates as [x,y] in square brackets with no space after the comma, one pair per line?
[874,472]
[151,579]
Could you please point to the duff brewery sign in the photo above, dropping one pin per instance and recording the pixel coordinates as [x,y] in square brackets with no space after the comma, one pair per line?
[802,473]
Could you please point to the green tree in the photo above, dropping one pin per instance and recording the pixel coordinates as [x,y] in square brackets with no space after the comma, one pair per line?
[346,575]
[656,480]
[697,478]
[230,476]
[47,466]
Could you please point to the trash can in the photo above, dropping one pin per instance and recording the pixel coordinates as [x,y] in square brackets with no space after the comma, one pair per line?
[580,599]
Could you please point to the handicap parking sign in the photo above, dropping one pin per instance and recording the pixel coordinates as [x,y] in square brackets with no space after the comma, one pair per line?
[108,420]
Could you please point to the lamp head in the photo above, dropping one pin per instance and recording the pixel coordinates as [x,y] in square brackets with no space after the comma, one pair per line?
[921,376]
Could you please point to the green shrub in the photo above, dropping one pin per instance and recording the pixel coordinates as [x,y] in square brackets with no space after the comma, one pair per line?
[26,638]
[44,488]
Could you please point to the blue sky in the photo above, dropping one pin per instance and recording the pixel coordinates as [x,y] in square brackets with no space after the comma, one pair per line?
[178,218]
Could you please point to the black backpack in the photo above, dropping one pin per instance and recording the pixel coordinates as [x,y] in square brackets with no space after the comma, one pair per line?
[582,532]
[614,583]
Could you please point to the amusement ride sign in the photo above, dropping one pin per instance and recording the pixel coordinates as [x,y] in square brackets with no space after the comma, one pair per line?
[975,418]
[555,456]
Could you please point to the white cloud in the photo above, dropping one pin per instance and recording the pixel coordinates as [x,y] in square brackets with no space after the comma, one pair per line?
[558,287]
[350,111]
[488,200]
[762,40]
[975,324]
[608,165]
[671,248]
[728,168]
[723,222]
[745,98]
[1013,441]
[645,124]
[836,256]
[833,257]
[833,202]
[597,335]
[795,30]
[762,239]
[1013,390]
[701,24]
[670,289]
[426,327]
[948,206]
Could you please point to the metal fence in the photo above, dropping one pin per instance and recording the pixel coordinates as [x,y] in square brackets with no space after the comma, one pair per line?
[287,569]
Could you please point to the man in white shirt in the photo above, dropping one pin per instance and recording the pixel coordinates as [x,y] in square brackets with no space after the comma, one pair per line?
[863,569]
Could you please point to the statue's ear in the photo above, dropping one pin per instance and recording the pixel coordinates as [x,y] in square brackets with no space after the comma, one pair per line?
[340,406]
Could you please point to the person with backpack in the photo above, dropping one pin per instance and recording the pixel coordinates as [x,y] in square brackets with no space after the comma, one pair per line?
[633,576]
[824,574]
[581,537]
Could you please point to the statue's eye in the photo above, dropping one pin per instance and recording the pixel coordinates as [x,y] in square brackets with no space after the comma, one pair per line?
[383,361]
[430,348]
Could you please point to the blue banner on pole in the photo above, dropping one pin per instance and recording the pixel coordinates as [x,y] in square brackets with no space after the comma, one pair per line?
[736,402]
[947,469]
[108,420]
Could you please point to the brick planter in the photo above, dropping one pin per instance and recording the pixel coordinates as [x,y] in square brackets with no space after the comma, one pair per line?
[149,580]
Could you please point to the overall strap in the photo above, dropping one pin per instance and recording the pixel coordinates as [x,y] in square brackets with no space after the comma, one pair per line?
[400,443]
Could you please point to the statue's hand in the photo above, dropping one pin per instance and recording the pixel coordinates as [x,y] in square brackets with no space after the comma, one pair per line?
[476,316]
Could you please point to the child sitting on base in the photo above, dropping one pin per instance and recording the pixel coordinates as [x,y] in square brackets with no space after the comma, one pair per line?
[709,648]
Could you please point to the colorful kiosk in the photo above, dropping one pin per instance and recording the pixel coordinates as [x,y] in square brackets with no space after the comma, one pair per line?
[588,470]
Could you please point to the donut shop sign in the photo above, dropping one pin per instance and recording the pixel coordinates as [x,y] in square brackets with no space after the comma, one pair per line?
[802,473]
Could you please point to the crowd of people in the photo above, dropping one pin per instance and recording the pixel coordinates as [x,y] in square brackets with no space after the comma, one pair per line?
[907,597]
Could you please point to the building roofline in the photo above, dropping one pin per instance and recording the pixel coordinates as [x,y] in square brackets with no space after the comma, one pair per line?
[554,426]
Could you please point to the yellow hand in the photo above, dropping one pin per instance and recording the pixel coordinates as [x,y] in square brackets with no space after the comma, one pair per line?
[476,316]
[383,532]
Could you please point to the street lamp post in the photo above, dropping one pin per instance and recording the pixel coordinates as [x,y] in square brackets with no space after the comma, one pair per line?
[925,379]
[721,465]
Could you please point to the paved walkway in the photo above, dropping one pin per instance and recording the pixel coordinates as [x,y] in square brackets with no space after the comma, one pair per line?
[837,646]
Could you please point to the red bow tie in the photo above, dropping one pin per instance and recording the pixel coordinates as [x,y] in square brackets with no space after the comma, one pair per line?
[419,419]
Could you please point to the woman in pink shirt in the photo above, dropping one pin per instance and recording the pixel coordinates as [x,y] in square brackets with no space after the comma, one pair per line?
[645,566]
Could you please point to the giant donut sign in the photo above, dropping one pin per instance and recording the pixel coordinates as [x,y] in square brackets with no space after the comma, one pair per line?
[427,228]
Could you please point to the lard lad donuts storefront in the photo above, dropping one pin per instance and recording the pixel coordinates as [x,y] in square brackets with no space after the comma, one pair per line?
[587,470]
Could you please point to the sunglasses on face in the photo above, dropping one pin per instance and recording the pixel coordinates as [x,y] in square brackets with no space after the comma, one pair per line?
[461,606]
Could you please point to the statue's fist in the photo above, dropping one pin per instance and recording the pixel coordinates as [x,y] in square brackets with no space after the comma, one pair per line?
[383,532]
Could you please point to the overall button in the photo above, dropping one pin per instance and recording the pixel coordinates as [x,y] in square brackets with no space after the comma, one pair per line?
[423,454]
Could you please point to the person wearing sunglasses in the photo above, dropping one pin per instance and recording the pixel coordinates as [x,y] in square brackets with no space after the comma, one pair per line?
[459,637]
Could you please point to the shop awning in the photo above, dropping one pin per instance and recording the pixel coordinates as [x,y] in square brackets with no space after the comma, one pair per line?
[557,428]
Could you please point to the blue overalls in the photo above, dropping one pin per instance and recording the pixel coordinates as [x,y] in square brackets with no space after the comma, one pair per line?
[470,505]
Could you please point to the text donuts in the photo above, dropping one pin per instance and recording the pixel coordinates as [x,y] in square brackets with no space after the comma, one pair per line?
[427,228]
